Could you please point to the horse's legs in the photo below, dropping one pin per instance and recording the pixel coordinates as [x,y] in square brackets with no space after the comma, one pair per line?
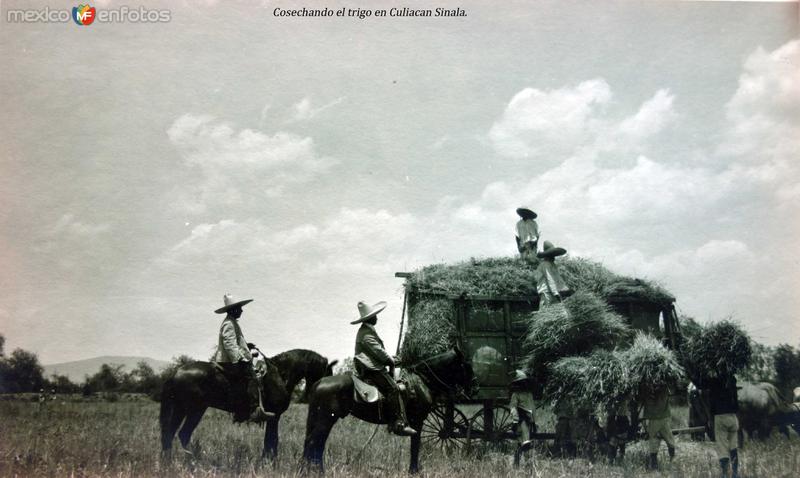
[317,431]
[192,419]
[416,439]
[170,419]
[271,439]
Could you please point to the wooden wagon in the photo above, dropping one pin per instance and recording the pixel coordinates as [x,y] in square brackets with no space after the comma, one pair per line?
[490,330]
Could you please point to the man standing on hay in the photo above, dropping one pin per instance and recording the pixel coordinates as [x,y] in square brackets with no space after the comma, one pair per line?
[659,424]
[549,284]
[371,360]
[527,234]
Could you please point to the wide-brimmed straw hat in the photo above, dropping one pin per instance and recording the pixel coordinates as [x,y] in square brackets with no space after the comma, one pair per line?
[549,250]
[231,304]
[524,212]
[367,312]
[519,376]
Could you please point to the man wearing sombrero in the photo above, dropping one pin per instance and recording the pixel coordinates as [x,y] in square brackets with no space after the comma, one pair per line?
[234,355]
[527,234]
[371,360]
[549,284]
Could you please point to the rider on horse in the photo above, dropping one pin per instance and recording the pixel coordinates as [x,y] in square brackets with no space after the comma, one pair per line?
[234,355]
[371,360]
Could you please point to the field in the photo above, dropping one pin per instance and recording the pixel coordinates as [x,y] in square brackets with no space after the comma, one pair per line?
[120,439]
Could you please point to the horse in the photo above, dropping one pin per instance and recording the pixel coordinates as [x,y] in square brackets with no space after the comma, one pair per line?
[196,386]
[332,398]
[293,366]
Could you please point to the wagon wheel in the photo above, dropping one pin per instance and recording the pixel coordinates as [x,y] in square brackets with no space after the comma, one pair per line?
[502,433]
[435,433]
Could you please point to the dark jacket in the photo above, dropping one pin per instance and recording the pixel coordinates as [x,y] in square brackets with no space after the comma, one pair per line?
[722,395]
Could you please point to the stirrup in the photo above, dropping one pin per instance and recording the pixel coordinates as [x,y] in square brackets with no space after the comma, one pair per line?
[403,430]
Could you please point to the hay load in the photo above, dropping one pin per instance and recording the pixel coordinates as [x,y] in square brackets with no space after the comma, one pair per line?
[651,365]
[581,324]
[432,328]
[722,348]
[599,381]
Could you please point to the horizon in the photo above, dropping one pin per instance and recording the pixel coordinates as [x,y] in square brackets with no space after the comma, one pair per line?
[302,162]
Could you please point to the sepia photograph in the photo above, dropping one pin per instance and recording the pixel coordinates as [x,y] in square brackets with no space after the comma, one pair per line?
[455,238]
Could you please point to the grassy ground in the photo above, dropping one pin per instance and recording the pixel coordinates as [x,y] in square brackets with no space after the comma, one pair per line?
[121,439]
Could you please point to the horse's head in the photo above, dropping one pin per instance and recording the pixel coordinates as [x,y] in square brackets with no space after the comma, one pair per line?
[466,376]
[449,372]
[276,398]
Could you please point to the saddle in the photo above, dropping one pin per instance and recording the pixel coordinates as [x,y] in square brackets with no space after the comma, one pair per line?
[364,392]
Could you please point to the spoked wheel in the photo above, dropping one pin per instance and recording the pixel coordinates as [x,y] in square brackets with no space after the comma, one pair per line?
[500,433]
[436,432]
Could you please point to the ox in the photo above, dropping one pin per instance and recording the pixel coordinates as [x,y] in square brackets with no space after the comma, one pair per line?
[761,407]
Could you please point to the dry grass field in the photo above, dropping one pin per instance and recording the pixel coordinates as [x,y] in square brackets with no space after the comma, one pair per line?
[120,439]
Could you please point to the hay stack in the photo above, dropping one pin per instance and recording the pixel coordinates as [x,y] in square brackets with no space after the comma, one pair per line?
[600,381]
[583,323]
[722,348]
[651,365]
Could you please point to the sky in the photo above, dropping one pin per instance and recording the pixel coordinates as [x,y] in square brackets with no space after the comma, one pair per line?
[149,168]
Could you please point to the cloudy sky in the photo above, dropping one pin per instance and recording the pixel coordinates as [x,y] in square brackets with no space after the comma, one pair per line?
[147,169]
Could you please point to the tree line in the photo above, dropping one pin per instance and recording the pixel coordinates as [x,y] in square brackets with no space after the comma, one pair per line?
[21,372]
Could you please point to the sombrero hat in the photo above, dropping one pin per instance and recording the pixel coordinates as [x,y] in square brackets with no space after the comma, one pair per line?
[524,212]
[367,311]
[549,250]
[519,376]
[231,304]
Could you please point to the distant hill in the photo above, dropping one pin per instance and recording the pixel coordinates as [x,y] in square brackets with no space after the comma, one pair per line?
[77,370]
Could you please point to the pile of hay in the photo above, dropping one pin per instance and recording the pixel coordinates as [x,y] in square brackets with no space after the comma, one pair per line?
[722,348]
[579,325]
[432,332]
[509,276]
[600,381]
[651,365]
[583,274]
[504,276]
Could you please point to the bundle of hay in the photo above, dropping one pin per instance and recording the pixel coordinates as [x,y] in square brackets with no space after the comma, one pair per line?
[432,332]
[722,348]
[580,324]
[600,381]
[651,365]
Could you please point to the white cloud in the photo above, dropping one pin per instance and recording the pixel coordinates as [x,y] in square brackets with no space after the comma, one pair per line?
[764,121]
[561,117]
[246,161]
[651,118]
[303,110]
[67,225]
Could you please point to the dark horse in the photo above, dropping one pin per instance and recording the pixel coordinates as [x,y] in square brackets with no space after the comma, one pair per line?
[332,398]
[198,385]
[293,366]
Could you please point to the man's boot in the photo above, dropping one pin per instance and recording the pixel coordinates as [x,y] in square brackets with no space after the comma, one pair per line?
[671,451]
[621,454]
[652,462]
[734,463]
[400,426]
[257,412]
[724,464]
